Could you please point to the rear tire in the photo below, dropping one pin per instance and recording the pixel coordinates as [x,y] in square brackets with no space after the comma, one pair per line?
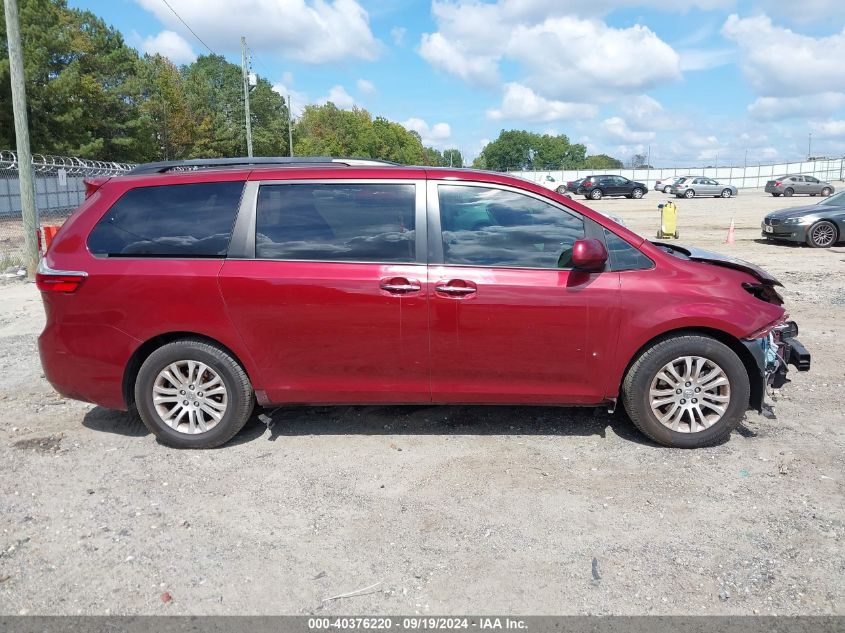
[222,410]
[775,195]
[596,194]
[788,192]
[689,193]
[715,370]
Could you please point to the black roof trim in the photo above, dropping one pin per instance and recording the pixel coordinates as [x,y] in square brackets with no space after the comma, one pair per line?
[256,161]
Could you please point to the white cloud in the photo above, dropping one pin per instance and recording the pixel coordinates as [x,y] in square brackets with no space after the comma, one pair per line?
[552,46]
[298,100]
[617,129]
[693,59]
[397,34]
[338,96]
[779,62]
[834,129]
[454,59]
[808,11]
[170,45]
[435,135]
[615,60]
[522,103]
[316,32]
[776,108]
[365,87]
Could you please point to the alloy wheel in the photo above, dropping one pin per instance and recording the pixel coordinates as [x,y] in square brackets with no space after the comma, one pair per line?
[189,397]
[823,234]
[689,394]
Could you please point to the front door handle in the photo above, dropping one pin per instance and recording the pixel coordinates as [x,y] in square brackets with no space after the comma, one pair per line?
[400,285]
[456,288]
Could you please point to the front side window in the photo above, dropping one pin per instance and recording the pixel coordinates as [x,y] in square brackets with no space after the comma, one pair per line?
[623,256]
[336,222]
[482,226]
[193,220]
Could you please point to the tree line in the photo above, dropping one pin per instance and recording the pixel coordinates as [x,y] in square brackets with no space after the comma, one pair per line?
[91,95]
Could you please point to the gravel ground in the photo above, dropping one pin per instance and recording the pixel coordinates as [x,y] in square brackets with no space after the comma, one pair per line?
[437,509]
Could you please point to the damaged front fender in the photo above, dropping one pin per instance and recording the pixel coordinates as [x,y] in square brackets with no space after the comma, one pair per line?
[773,353]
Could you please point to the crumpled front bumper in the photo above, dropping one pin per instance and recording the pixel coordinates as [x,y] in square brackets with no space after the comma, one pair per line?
[773,353]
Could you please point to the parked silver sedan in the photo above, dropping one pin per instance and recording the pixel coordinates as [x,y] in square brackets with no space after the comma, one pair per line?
[693,186]
[791,185]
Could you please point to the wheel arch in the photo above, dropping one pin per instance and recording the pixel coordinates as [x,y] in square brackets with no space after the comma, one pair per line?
[748,361]
[150,345]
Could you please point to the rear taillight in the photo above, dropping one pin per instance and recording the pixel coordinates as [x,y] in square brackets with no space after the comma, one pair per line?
[777,183]
[92,184]
[49,280]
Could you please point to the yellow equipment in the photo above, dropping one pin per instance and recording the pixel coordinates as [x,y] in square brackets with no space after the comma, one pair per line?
[668,221]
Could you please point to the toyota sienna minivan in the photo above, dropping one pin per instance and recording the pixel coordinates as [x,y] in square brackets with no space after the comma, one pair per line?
[191,291]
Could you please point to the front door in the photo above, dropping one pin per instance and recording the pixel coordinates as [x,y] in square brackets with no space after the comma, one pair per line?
[332,307]
[511,321]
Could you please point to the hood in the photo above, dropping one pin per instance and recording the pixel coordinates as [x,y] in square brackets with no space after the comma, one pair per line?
[700,255]
[792,212]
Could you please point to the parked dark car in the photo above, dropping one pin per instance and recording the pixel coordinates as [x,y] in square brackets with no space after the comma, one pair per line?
[572,186]
[189,291]
[793,185]
[597,187]
[819,225]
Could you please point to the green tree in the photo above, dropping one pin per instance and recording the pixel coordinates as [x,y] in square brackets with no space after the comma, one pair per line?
[602,161]
[519,149]
[77,69]
[214,91]
[165,126]
[329,131]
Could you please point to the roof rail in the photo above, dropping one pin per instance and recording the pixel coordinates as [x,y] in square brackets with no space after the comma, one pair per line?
[288,161]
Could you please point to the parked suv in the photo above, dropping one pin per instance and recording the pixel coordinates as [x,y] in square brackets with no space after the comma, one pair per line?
[189,291]
[596,187]
[791,185]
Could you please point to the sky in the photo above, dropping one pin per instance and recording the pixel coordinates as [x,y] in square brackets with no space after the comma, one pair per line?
[686,82]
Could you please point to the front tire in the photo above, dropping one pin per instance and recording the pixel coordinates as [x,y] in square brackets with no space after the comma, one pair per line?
[637,193]
[687,391]
[726,193]
[192,394]
[561,189]
[822,234]
[827,191]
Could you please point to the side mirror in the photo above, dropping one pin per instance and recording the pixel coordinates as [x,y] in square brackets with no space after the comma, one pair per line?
[589,255]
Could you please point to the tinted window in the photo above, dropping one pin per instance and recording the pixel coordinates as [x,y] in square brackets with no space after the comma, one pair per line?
[342,222]
[493,227]
[169,221]
[623,256]
[810,179]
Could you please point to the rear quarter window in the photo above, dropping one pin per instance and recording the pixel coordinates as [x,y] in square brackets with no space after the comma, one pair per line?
[192,220]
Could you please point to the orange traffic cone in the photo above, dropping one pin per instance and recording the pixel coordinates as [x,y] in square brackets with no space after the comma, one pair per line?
[731,231]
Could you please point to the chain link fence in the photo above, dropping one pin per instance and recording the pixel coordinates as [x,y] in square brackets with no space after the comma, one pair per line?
[59,189]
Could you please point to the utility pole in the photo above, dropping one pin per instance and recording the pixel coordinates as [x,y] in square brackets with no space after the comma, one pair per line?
[29,213]
[290,130]
[810,146]
[245,70]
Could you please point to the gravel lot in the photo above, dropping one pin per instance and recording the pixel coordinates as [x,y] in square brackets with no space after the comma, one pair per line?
[438,509]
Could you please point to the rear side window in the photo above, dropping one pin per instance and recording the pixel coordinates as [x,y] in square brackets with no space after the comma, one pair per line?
[192,220]
[495,227]
[336,222]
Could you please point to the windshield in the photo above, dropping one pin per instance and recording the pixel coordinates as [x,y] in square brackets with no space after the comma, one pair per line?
[837,199]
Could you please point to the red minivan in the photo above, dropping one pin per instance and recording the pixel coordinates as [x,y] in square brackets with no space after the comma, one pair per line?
[191,290]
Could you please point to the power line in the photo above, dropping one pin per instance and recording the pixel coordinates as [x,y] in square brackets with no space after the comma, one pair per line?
[187,26]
